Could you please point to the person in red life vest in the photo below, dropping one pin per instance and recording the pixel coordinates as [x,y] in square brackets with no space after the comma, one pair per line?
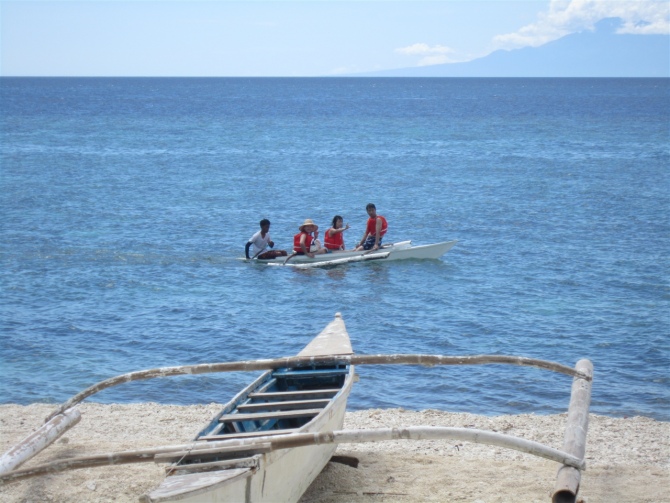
[374,231]
[306,242]
[333,239]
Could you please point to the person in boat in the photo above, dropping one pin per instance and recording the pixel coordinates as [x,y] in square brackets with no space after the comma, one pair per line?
[260,241]
[333,239]
[306,242]
[374,230]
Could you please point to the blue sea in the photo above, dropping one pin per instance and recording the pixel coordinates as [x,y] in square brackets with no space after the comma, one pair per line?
[126,204]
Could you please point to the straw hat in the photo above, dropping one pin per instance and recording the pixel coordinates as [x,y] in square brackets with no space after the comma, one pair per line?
[309,221]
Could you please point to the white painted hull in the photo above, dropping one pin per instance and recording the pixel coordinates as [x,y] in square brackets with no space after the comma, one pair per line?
[397,251]
[281,475]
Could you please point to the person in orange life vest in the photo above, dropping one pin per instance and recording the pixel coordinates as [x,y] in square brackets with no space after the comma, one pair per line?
[333,239]
[306,242]
[374,231]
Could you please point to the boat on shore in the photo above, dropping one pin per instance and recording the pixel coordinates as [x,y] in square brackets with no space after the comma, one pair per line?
[307,399]
[402,250]
[275,436]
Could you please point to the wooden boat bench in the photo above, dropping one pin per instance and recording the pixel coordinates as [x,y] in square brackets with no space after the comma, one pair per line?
[288,414]
[311,373]
[295,395]
[284,405]
[248,434]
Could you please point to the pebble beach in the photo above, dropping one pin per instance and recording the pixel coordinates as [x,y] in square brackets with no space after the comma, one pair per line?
[627,458]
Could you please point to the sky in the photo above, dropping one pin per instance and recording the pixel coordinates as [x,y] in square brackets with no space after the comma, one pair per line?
[297,38]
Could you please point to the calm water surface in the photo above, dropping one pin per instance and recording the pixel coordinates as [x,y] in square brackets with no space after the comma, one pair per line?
[126,204]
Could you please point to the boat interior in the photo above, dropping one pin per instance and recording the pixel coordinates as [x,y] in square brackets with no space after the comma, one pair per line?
[280,401]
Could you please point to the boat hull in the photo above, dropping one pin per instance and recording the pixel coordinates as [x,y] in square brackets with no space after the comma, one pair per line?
[397,251]
[274,476]
[281,476]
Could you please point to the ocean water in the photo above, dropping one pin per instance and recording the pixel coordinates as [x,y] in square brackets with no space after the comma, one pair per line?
[126,205]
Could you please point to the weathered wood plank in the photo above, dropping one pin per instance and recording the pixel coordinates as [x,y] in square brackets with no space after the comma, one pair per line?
[248,462]
[289,414]
[248,434]
[39,440]
[333,340]
[284,405]
[311,373]
[232,452]
[295,395]
[574,443]
[299,361]
[299,440]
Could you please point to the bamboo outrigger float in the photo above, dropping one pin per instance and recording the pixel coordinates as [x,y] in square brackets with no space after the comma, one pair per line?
[292,421]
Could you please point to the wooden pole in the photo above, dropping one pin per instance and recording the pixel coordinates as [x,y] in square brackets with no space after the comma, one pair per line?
[569,477]
[39,440]
[290,441]
[305,361]
[336,261]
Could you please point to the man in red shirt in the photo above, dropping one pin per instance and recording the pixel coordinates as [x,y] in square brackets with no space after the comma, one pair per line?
[374,230]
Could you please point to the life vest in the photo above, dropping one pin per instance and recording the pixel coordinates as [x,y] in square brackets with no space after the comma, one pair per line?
[371,229]
[333,241]
[296,241]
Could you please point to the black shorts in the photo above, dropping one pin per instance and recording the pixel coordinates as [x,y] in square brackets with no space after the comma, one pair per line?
[370,242]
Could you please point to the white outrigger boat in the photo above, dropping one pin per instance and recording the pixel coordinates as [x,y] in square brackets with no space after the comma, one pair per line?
[308,399]
[402,250]
[275,436]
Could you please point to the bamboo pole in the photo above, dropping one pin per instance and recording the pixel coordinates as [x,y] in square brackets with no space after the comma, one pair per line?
[569,477]
[305,361]
[290,441]
[336,261]
[39,440]
[248,462]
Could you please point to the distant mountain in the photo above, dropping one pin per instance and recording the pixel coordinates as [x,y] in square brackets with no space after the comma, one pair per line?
[599,53]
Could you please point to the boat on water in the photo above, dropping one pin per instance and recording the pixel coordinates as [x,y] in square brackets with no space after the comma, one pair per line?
[281,401]
[401,250]
[275,436]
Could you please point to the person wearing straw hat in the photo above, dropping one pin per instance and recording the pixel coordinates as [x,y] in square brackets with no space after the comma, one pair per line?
[306,242]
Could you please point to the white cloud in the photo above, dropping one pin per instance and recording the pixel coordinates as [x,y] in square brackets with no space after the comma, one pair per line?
[422,49]
[435,55]
[644,17]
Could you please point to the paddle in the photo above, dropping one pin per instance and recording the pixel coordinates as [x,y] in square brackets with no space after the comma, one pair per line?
[293,255]
[290,257]
[346,260]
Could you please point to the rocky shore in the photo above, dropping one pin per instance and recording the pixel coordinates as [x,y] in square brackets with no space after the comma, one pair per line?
[627,458]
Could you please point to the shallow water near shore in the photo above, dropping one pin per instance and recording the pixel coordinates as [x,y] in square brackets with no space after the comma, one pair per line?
[126,205]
